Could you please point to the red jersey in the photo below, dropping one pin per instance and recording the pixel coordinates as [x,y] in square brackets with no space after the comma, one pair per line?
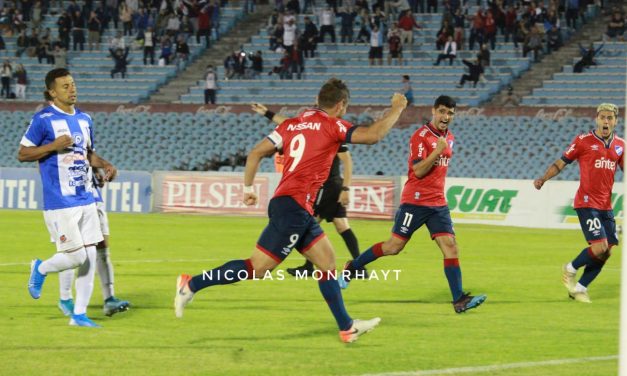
[309,143]
[597,166]
[428,190]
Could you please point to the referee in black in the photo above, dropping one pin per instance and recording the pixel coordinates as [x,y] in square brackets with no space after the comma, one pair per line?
[332,198]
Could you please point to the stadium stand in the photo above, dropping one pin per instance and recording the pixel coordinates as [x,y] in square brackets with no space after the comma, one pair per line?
[161,141]
[92,68]
[603,82]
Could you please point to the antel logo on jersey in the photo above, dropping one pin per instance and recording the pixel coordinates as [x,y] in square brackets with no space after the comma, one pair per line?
[301,126]
[443,161]
[605,163]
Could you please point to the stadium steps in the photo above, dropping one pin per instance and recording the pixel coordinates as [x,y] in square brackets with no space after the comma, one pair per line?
[249,25]
[550,64]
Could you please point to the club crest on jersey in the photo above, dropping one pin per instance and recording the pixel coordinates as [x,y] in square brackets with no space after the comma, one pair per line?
[619,150]
[78,138]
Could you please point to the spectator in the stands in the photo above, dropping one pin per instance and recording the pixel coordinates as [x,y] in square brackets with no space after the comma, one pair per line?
[446,31]
[36,15]
[394,8]
[211,85]
[149,46]
[553,39]
[204,26]
[276,38]
[173,25]
[229,65]
[477,29]
[60,55]
[64,25]
[289,35]
[533,42]
[327,24]
[78,31]
[297,61]
[126,17]
[522,33]
[511,24]
[616,27]
[347,16]
[395,47]
[309,38]
[475,70]
[432,6]
[407,90]
[43,51]
[21,80]
[21,43]
[407,23]
[293,6]
[449,52]
[459,23]
[256,64]
[484,55]
[166,50]
[182,50]
[489,27]
[376,45]
[587,57]
[113,11]
[117,41]
[215,17]
[120,60]
[572,12]
[187,27]
[5,77]
[93,25]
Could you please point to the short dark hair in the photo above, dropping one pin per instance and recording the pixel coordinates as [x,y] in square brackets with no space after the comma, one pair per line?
[332,92]
[51,77]
[406,77]
[444,100]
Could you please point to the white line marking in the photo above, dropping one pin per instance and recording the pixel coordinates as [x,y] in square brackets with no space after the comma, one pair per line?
[497,367]
[156,261]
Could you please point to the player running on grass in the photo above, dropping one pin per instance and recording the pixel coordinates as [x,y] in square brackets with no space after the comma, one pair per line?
[423,203]
[309,142]
[599,152]
[332,198]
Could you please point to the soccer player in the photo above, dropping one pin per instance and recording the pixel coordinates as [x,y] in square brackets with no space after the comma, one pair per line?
[423,202]
[60,138]
[332,198]
[309,142]
[104,266]
[599,152]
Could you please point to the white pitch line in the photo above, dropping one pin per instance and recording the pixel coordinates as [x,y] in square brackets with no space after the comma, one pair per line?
[156,261]
[497,367]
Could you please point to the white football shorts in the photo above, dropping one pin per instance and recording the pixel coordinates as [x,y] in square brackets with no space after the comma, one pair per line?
[102,216]
[72,228]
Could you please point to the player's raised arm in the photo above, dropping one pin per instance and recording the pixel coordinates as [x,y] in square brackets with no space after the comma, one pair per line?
[265,148]
[263,111]
[423,167]
[375,132]
[550,172]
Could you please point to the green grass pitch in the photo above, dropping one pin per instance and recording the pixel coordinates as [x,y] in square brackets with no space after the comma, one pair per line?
[285,328]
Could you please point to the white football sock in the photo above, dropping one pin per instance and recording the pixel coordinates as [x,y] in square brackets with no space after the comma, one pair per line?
[66,277]
[571,268]
[85,281]
[63,261]
[105,271]
[580,288]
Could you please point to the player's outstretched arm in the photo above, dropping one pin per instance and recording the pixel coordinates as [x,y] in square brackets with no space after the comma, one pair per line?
[263,111]
[265,148]
[550,172]
[423,167]
[97,161]
[375,132]
[35,153]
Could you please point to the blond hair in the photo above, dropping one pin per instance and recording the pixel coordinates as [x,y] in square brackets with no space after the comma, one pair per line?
[608,107]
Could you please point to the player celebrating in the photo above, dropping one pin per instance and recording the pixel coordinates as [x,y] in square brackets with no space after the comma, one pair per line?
[309,142]
[60,138]
[104,266]
[423,202]
[332,198]
[598,152]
